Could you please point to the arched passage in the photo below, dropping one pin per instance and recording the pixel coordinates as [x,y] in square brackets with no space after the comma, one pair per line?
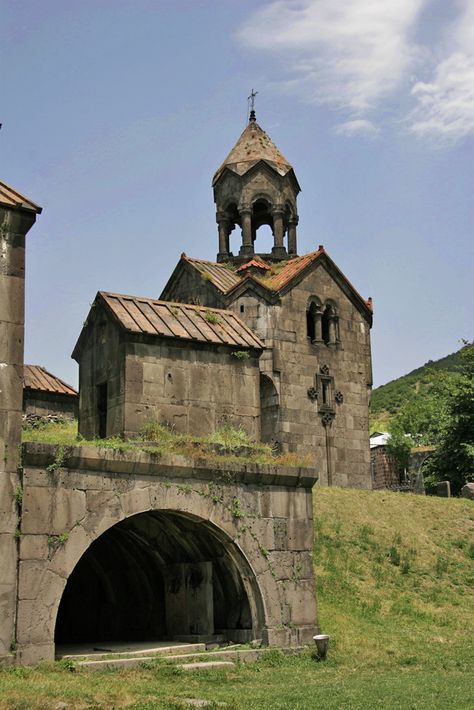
[159,575]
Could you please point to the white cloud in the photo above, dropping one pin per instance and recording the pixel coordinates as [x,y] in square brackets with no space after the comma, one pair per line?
[350,53]
[445,104]
[359,126]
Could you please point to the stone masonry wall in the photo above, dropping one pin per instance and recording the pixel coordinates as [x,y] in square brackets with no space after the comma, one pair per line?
[194,389]
[70,501]
[42,404]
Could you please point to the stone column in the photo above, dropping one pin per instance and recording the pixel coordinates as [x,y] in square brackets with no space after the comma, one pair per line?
[14,224]
[278,233]
[332,330]
[292,251]
[318,327]
[224,230]
[247,244]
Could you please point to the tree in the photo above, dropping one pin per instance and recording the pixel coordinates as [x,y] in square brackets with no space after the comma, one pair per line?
[453,459]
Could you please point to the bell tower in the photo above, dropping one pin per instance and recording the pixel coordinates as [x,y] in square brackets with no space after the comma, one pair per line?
[256,185]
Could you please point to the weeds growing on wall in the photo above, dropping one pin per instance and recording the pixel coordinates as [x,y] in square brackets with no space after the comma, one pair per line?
[225,444]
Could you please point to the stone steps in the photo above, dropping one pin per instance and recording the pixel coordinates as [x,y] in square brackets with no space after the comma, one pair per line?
[140,651]
[187,659]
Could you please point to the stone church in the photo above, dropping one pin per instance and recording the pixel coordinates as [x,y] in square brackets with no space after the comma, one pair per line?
[109,546]
[277,343]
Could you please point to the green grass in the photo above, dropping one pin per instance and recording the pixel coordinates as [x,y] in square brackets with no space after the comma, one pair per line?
[395,579]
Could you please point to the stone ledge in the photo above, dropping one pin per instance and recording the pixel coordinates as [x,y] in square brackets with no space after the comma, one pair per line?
[142,463]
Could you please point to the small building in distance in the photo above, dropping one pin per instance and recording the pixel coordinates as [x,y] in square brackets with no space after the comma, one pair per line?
[47,396]
[383,469]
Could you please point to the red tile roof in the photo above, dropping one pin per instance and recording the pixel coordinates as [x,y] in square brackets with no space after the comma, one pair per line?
[36,377]
[180,320]
[256,263]
[12,198]
[276,277]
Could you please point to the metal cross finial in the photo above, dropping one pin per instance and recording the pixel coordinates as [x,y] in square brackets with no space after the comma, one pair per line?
[251,105]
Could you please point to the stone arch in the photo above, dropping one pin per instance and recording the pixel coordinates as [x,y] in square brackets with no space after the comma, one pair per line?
[38,615]
[160,574]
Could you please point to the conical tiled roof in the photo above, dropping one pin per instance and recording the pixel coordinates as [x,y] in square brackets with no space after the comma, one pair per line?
[253,145]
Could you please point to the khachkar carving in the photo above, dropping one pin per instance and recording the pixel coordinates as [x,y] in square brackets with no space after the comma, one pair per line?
[324,393]
[312,393]
[327,417]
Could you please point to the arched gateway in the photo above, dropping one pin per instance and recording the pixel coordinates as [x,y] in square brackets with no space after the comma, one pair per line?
[123,546]
[160,575]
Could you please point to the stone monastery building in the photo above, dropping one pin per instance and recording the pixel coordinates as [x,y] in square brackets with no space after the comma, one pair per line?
[103,546]
[278,344]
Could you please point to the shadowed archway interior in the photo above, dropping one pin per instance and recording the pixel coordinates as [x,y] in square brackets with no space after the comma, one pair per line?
[158,575]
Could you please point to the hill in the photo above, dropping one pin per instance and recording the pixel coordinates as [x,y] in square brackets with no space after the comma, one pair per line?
[388,398]
[395,581]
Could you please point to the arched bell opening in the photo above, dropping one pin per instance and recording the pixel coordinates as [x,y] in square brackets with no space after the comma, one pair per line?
[160,575]
[262,226]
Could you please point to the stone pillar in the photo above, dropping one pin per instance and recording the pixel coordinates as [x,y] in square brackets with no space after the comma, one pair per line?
[14,224]
[189,599]
[247,244]
[278,233]
[292,251]
[224,231]
[318,326]
[333,330]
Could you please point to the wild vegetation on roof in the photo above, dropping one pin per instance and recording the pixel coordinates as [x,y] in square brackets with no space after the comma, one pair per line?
[226,444]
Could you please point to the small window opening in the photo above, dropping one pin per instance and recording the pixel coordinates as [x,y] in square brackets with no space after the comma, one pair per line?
[102,409]
[242,308]
[326,397]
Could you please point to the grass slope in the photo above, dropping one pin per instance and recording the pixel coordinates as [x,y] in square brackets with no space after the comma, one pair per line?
[395,577]
[389,397]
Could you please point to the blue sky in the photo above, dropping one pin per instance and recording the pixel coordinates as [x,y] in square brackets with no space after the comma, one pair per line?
[116,114]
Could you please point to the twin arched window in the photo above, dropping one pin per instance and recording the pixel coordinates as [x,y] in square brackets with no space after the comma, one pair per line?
[322,322]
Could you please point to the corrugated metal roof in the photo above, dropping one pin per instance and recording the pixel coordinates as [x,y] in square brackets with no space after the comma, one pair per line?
[12,198]
[220,275]
[36,377]
[180,320]
[253,145]
[379,439]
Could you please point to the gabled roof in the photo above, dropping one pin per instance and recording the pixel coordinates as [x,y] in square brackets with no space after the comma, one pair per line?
[277,279]
[12,198]
[181,321]
[220,275]
[253,145]
[36,377]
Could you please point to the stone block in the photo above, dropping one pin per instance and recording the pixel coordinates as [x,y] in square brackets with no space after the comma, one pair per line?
[37,510]
[12,299]
[34,547]
[300,534]
[32,654]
